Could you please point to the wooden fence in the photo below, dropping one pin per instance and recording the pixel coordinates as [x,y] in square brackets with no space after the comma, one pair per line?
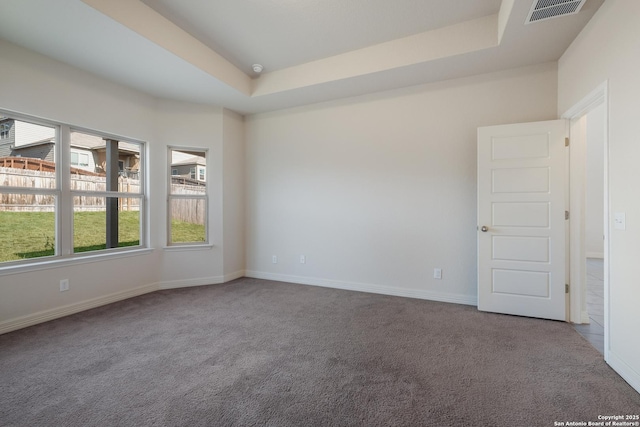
[26,178]
[27,163]
[188,210]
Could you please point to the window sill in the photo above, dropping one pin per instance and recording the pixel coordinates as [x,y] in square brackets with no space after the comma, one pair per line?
[178,248]
[71,260]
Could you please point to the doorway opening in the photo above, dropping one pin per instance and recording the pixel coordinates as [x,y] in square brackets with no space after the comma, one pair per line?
[589,207]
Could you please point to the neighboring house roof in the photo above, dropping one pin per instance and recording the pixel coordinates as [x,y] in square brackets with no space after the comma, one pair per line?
[92,142]
[86,141]
[195,160]
[34,144]
[30,135]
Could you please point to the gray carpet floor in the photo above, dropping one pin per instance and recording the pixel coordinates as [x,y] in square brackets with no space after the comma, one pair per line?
[255,352]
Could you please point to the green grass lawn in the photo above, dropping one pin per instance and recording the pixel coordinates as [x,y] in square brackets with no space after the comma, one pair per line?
[32,234]
[89,230]
[183,232]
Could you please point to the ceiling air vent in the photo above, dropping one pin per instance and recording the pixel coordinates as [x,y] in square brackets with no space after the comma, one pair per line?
[542,10]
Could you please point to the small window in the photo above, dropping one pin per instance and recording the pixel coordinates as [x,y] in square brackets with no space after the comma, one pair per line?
[188,198]
[79,159]
[4,130]
[201,174]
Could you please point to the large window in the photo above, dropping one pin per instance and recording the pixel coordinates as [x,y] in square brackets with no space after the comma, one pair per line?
[187,196]
[62,192]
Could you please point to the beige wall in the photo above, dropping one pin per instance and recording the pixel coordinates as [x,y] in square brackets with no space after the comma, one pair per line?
[607,50]
[234,194]
[188,125]
[377,191]
[36,85]
[33,84]
[594,197]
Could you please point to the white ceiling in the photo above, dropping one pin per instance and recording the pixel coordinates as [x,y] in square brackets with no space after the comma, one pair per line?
[313,50]
[284,33]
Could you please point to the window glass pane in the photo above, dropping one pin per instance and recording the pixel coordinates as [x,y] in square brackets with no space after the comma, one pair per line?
[187,215]
[95,160]
[92,225]
[27,226]
[188,169]
[27,154]
[188,220]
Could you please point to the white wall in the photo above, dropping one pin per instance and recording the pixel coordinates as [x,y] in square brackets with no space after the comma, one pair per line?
[594,197]
[607,50]
[190,125]
[36,85]
[234,195]
[377,191]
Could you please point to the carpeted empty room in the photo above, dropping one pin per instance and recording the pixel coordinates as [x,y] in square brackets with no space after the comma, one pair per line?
[256,352]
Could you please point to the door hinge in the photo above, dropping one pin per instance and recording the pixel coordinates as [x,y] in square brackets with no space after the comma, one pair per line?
[566,214]
[566,288]
[566,142]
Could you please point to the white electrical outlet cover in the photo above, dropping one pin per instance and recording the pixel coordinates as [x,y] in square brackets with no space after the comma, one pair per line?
[619,221]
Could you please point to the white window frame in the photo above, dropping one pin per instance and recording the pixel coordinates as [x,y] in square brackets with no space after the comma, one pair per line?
[63,206]
[118,194]
[170,197]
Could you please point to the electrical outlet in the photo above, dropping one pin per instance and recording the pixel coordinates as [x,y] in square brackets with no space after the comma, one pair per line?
[619,221]
[437,273]
[274,259]
[64,285]
[303,259]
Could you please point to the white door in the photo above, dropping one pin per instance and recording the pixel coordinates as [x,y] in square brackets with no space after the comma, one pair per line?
[521,219]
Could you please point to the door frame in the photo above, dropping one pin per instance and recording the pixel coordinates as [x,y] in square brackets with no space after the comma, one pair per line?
[577,182]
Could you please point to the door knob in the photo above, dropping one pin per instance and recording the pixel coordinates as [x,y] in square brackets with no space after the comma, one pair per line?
[484,229]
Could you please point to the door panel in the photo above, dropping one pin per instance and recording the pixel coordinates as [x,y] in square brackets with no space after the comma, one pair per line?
[521,180]
[521,283]
[521,204]
[513,248]
[515,214]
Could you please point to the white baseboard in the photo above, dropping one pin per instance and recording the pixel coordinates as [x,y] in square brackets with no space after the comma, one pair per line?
[599,255]
[55,313]
[233,276]
[584,318]
[187,283]
[66,310]
[624,370]
[200,281]
[364,287]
